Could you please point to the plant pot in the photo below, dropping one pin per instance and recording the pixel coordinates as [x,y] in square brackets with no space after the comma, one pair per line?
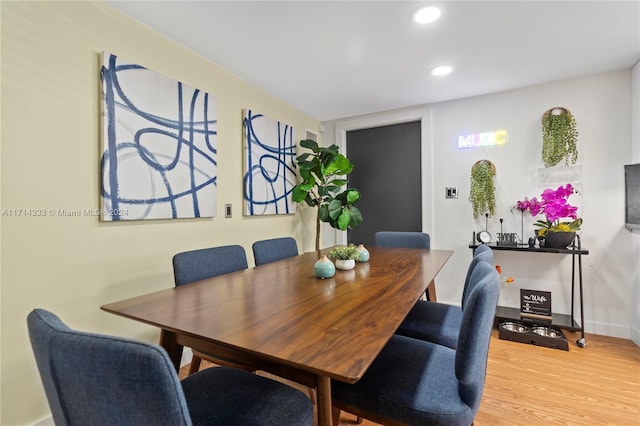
[345,264]
[558,239]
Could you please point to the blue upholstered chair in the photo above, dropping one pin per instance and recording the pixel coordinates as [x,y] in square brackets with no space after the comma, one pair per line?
[267,251]
[402,239]
[413,382]
[439,322]
[407,239]
[196,265]
[93,379]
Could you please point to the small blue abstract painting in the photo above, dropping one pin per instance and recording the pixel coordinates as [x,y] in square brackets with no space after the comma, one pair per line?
[158,145]
[270,170]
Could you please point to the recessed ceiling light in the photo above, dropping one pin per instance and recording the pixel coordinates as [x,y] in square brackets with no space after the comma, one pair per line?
[426,15]
[442,70]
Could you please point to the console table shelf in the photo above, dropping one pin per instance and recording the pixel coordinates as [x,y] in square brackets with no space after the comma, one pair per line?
[558,320]
[566,322]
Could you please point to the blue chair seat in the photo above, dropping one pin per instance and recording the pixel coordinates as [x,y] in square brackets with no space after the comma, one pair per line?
[267,402]
[434,322]
[411,381]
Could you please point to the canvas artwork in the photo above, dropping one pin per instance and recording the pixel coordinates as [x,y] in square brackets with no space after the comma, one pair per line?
[158,145]
[269,165]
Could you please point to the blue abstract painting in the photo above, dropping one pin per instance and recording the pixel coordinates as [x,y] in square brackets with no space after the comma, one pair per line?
[270,171]
[158,145]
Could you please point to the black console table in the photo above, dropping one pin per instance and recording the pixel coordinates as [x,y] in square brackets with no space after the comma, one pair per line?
[566,322]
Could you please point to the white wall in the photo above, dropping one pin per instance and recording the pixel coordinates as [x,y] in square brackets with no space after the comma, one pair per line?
[635,237]
[50,159]
[602,107]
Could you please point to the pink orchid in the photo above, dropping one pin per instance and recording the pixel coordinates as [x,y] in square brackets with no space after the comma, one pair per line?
[554,206]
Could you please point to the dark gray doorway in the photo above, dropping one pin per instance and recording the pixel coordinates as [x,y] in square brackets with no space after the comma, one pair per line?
[387,172]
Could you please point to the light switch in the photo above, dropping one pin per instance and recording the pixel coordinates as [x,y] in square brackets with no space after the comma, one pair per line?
[227,210]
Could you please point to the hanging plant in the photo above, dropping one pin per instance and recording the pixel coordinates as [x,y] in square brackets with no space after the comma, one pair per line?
[559,137]
[482,194]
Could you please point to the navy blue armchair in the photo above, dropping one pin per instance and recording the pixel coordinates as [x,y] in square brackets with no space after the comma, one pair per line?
[267,251]
[196,265]
[439,322]
[93,379]
[414,382]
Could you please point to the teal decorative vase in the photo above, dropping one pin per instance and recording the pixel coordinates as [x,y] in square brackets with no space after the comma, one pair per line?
[324,268]
[363,254]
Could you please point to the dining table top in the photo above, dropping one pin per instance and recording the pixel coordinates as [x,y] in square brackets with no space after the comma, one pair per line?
[280,312]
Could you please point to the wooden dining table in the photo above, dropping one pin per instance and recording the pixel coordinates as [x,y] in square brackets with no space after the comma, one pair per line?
[280,318]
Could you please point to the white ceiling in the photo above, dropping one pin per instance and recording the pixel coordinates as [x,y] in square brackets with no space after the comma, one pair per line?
[338,59]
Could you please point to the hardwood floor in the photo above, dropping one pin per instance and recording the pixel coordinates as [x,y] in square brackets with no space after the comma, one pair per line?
[532,385]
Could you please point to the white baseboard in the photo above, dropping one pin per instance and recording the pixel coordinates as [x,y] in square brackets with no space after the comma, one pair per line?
[635,335]
[47,421]
[612,330]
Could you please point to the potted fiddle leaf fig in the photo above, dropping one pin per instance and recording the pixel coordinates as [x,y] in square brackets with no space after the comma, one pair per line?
[323,171]
[559,137]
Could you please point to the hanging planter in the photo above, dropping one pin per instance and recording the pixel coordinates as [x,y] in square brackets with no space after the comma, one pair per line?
[482,194]
[559,137]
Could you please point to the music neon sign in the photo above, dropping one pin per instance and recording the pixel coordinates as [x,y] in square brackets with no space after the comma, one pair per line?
[474,140]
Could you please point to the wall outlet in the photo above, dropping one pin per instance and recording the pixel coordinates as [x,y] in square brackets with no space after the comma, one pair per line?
[451,192]
[227,210]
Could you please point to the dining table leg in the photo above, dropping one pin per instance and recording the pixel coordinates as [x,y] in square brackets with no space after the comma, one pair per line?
[323,400]
[168,340]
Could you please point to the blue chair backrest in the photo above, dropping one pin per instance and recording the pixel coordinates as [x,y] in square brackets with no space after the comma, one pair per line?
[93,379]
[403,239]
[267,251]
[482,254]
[42,324]
[196,265]
[475,333]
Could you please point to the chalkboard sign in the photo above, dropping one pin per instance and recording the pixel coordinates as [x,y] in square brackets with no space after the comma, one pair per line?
[535,304]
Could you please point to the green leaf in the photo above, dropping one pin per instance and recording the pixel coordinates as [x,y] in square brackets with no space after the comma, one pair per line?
[302,157]
[352,196]
[340,166]
[339,182]
[335,208]
[356,216]
[298,194]
[323,213]
[309,144]
[344,219]
[332,188]
[333,149]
